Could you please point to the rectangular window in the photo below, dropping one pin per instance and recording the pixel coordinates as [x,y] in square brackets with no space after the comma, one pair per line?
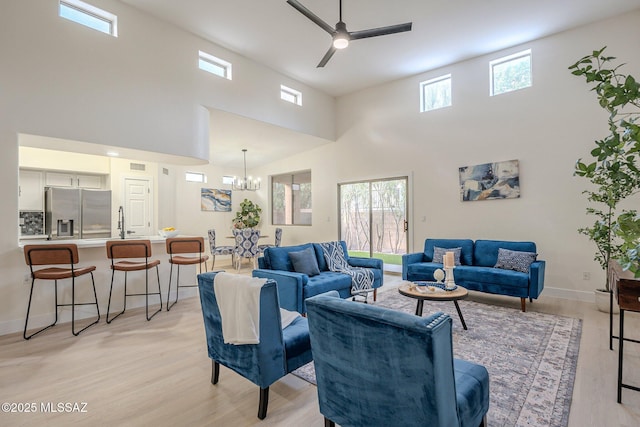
[195,177]
[213,65]
[510,73]
[290,95]
[435,93]
[291,199]
[89,16]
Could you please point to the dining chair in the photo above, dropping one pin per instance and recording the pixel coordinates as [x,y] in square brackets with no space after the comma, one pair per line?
[218,250]
[124,251]
[246,246]
[54,256]
[277,242]
[184,251]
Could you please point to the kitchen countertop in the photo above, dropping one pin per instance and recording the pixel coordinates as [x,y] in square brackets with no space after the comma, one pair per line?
[85,243]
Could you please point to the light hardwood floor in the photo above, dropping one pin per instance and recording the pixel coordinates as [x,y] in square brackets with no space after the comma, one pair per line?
[137,373]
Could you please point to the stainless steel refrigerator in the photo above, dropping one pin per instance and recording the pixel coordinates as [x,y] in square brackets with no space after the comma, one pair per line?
[73,213]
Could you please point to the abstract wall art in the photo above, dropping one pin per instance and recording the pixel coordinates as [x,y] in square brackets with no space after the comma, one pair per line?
[500,180]
[215,200]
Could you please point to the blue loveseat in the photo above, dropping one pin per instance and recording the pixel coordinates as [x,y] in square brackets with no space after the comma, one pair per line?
[295,287]
[477,269]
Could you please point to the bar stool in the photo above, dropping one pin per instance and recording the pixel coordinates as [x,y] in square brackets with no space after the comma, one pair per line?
[58,254]
[119,249]
[176,246]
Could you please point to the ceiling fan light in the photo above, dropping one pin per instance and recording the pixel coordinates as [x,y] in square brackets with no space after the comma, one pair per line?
[341,41]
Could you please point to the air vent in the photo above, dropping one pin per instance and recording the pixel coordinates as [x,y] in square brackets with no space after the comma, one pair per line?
[165,171]
[137,166]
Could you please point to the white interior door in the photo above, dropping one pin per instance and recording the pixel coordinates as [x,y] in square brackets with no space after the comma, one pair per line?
[137,211]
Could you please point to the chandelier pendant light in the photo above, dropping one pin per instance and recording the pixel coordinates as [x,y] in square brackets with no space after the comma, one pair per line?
[247,183]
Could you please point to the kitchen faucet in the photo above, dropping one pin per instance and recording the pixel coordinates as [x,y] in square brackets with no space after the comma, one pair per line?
[121,222]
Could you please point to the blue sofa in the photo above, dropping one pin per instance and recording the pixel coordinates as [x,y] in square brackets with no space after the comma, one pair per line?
[380,367]
[477,271]
[294,287]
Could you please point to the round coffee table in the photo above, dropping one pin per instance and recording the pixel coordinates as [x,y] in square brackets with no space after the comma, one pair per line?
[437,295]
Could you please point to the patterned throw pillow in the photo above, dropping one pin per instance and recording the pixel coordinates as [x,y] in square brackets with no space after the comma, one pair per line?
[515,260]
[438,254]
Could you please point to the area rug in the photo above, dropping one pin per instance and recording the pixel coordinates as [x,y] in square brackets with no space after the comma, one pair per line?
[531,357]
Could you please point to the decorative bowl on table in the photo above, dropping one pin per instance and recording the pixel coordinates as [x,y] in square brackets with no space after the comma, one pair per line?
[168,233]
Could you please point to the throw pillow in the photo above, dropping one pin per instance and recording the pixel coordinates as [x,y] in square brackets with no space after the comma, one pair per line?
[438,254]
[515,260]
[305,262]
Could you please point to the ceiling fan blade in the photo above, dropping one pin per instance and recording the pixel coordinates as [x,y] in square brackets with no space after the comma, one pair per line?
[382,31]
[306,12]
[327,56]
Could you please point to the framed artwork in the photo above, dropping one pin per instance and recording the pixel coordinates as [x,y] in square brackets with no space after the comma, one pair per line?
[500,180]
[215,200]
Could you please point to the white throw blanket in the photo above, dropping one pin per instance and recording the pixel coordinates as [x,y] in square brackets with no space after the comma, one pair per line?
[239,304]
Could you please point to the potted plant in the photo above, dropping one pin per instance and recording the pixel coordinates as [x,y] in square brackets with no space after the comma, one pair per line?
[612,169]
[248,216]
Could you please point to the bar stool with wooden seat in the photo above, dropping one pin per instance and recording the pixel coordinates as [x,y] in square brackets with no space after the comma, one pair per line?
[119,249]
[177,247]
[58,254]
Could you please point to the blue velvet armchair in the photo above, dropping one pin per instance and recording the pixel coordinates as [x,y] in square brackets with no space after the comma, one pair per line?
[279,352]
[380,367]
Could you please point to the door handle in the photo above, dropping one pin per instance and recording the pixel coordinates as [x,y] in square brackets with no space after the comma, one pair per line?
[406,225]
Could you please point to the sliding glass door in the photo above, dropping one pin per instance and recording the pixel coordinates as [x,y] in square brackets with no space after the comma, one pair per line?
[373,219]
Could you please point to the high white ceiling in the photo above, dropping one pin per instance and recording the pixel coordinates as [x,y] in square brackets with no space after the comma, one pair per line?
[273,33]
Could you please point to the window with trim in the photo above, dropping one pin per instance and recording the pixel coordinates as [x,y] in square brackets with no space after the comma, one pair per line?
[290,95]
[214,65]
[435,93]
[291,198]
[89,16]
[510,73]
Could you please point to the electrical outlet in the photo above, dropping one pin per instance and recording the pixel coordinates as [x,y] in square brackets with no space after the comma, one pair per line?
[586,275]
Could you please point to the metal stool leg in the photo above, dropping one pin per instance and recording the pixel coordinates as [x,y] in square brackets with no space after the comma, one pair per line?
[73,304]
[113,272]
[26,322]
[169,305]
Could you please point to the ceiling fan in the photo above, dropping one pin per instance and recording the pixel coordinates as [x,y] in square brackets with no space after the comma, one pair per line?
[342,37]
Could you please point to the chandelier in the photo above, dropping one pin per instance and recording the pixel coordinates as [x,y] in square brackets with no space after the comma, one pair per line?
[247,183]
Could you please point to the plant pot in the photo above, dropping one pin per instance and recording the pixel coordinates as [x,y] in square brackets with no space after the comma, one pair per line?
[602,302]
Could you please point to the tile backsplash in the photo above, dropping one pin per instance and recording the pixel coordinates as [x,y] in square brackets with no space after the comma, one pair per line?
[31,223]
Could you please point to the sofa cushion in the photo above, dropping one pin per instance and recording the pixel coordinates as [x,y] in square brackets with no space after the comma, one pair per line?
[326,281]
[305,262]
[422,271]
[466,245]
[438,254]
[472,391]
[278,257]
[485,252]
[515,260]
[465,274]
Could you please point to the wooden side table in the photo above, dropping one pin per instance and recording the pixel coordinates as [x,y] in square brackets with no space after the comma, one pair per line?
[626,289]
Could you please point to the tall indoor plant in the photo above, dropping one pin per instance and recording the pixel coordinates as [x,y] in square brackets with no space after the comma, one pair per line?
[612,170]
[248,216]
